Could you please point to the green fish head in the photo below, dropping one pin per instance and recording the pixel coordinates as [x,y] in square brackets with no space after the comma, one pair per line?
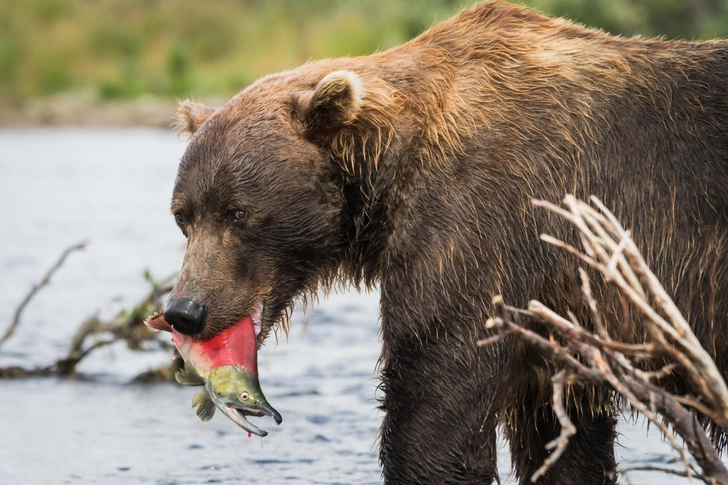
[236,392]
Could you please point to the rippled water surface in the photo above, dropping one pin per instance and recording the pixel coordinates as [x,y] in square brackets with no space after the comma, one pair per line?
[112,188]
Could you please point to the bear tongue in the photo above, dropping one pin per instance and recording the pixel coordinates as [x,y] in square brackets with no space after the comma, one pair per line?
[235,345]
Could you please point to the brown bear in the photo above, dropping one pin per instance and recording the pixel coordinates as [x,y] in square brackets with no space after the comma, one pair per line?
[413,169]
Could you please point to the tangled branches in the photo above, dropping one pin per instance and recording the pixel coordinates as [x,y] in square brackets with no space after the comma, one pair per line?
[94,333]
[594,358]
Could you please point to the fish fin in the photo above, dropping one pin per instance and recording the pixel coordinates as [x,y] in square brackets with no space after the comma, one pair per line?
[157,322]
[205,406]
[188,376]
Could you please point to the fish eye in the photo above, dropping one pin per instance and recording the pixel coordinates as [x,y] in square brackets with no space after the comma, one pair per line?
[244,396]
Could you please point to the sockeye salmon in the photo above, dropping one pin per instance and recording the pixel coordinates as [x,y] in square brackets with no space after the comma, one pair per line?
[226,367]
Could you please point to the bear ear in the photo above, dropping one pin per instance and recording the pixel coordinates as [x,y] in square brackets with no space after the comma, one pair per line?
[333,104]
[190,116]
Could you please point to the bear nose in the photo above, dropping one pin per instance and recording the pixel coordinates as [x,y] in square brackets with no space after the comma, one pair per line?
[185,315]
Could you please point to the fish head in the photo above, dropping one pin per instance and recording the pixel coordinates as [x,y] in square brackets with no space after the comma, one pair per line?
[237,393]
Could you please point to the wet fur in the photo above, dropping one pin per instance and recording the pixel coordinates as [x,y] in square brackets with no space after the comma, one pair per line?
[419,179]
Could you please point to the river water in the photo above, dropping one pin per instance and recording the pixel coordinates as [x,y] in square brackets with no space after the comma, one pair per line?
[112,188]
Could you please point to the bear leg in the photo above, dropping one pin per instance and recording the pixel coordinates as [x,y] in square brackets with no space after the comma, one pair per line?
[588,459]
[436,430]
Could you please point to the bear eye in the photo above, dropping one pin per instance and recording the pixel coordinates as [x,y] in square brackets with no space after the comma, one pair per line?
[181,221]
[244,396]
[240,215]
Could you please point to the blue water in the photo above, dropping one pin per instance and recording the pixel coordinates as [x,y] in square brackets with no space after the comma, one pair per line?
[112,188]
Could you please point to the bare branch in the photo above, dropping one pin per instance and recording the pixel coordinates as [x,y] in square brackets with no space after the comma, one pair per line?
[669,471]
[599,360]
[127,327]
[36,288]
[568,430]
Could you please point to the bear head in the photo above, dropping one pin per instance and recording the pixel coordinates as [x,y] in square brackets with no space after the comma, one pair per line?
[261,194]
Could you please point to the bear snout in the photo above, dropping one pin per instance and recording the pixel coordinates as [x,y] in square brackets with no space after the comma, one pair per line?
[186,315]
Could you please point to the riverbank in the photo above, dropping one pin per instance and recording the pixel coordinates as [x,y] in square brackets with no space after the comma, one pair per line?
[79,110]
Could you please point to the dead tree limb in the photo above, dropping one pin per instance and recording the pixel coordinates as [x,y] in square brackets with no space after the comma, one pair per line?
[596,359]
[567,427]
[661,470]
[36,288]
[94,333]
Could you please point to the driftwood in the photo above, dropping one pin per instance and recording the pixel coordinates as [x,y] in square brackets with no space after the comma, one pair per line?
[36,288]
[594,358]
[94,333]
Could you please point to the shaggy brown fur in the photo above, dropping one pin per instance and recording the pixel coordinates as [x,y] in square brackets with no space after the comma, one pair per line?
[414,169]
